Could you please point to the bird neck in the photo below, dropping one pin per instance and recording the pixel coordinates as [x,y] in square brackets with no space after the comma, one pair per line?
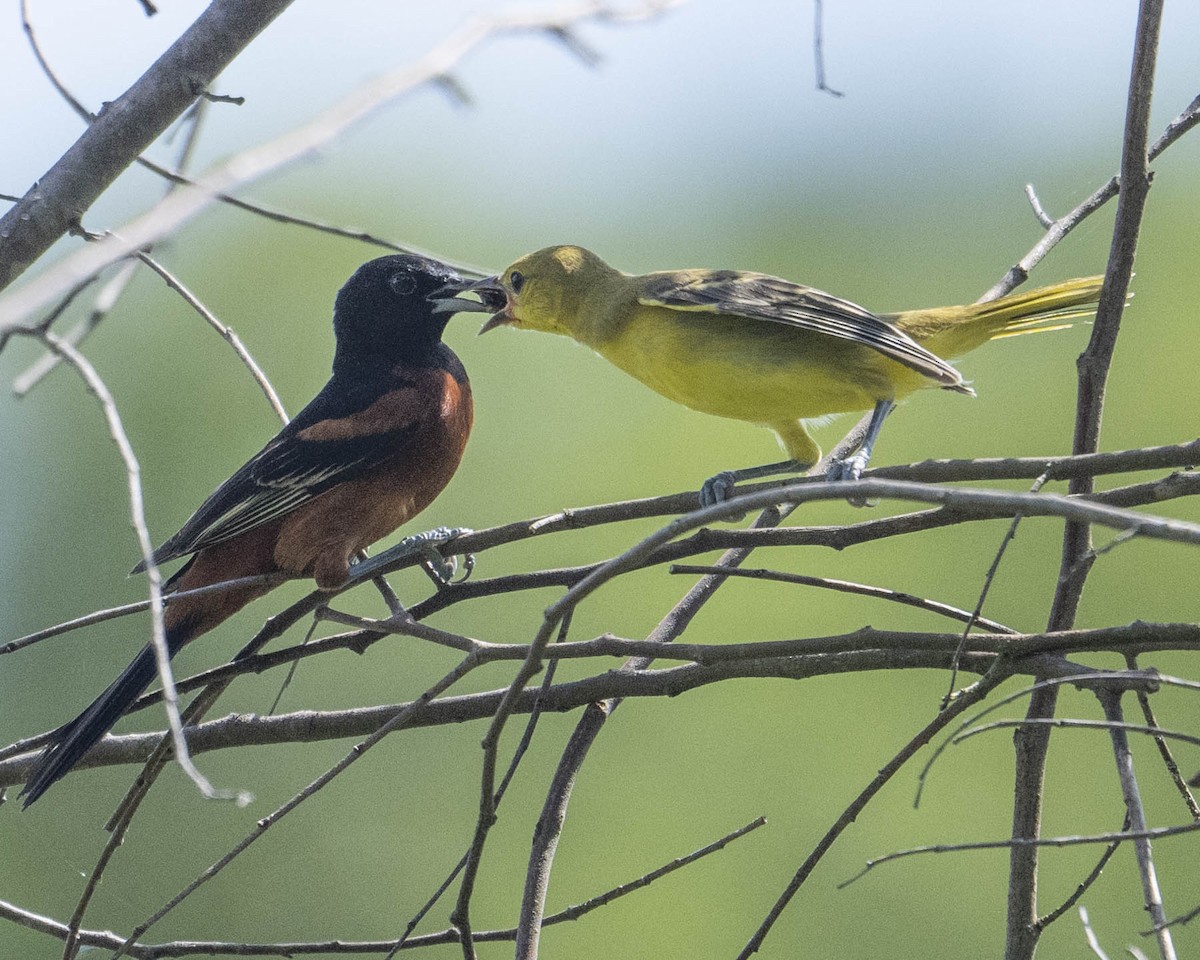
[369,362]
[597,311]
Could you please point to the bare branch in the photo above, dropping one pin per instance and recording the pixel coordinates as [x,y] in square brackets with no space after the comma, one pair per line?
[186,948]
[104,302]
[819,49]
[844,586]
[1164,749]
[174,211]
[124,129]
[138,518]
[1043,217]
[1019,272]
[1111,702]
[112,291]
[225,331]
[704,664]
[990,577]
[969,698]
[177,177]
[395,723]
[1071,723]
[1092,940]
[1077,557]
[549,829]
[139,606]
[1155,833]
[1084,885]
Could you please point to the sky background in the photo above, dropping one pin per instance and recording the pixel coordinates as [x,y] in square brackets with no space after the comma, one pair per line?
[699,140]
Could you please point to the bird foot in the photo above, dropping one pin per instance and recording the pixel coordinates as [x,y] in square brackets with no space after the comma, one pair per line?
[440,568]
[850,469]
[717,488]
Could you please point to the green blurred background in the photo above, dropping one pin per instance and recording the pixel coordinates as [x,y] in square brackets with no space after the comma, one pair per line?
[699,141]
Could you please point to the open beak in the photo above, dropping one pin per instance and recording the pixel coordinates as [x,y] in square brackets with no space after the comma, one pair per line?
[447,300]
[495,301]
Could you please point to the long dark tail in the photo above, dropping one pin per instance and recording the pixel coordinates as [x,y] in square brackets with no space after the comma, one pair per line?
[74,739]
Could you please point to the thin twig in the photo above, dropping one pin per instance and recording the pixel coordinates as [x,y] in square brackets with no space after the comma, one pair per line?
[134,120]
[1032,744]
[171,213]
[1073,723]
[139,606]
[518,754]
[846,586]
[1180,920]
[1019,272]
[105,299]
[1075,840]
[138,518]
[850,814]
[990,577]
[819,49]
[1092,940]
[1111,702]
[1164,748]
[461,670]
[112,291]
[1084,885]
[224,330]
[1100,679]
[109,941]
[1043,217]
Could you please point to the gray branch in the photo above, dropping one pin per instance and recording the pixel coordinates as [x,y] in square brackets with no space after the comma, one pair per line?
[125,127]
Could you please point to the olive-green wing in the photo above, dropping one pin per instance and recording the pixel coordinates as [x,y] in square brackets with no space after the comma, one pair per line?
[762,297]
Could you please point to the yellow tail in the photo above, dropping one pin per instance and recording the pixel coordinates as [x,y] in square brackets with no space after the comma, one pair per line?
[950,331]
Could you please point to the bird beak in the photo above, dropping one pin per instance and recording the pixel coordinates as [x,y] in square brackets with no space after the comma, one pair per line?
[495,301]
[446,300]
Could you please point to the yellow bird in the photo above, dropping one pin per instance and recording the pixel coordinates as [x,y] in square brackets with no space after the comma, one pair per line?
[753,347]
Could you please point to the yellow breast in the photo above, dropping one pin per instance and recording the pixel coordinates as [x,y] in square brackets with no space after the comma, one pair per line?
[751,370]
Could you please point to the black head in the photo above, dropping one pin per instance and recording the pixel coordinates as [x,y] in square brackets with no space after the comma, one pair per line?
[383,313]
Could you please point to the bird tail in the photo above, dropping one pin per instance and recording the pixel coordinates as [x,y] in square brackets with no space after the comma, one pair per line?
[74,739]
[950,331]
[1050,308]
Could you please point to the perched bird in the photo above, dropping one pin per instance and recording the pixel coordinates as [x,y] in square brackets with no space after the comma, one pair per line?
[758,348]
[370,452]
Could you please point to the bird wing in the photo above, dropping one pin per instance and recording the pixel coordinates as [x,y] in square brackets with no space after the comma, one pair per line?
[294,468]
[762,297]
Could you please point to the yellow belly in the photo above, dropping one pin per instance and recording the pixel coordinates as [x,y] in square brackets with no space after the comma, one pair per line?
[757,371]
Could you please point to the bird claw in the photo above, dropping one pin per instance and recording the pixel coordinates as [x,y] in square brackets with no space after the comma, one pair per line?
[424,545]
[440,568]
[850,470]
[717,488]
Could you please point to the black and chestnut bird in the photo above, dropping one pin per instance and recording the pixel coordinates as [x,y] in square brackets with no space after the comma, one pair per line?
[371,451]
[759,348]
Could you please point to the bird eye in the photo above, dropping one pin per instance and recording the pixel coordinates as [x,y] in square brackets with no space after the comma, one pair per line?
[403,284]
[516,280]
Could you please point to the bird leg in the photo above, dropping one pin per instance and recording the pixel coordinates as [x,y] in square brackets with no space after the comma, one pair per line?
[425,545]
[852,467]
[440,567]
[719,487]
